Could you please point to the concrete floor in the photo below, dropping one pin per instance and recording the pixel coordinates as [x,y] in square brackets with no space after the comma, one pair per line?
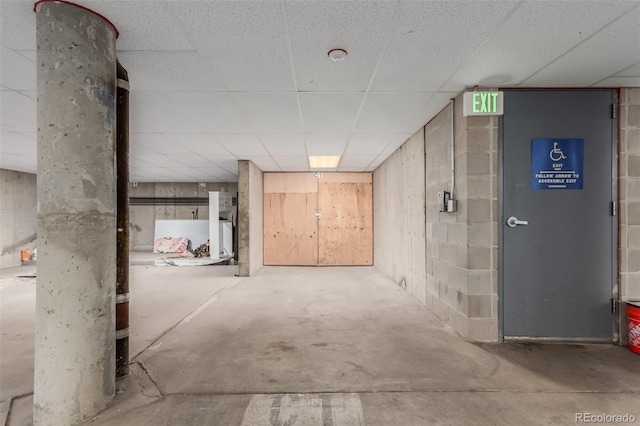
[316,346]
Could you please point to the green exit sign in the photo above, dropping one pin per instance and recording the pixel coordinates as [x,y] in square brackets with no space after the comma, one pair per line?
[482,103]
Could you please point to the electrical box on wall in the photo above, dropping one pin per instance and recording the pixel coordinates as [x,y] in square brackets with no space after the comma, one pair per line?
[446,203]
[443,200]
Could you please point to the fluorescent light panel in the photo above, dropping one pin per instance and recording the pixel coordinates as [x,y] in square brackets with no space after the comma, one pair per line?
[324,161]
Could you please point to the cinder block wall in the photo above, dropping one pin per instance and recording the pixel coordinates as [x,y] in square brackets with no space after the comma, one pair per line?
[456,276]
[462,248]
[18,215]
[250,218]
[629,194]
[142,219]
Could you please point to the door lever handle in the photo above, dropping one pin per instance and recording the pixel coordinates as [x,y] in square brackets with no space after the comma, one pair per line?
[513,221]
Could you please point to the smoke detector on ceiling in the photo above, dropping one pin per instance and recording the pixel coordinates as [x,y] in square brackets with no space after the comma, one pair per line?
[337,55]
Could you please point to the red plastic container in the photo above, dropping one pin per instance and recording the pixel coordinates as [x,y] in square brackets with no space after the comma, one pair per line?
[633,318]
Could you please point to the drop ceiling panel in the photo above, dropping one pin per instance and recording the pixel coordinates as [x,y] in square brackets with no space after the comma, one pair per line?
[157,143]
[394,112]
[18,162]
[534,36]
[158,160]
[143,25]
[192,160]
[265,163]
[188,112]
[201,143]
[18,71]
[320,144]
[619,82]
[230,164]
[18,25]
[356,161]
[619,48]
[18,143]
[360,144]
[433,39]
[270,112]
[284,145]
[18,111]
[244,41]
[292,162]
[211,170]
[242,145]
[361,28]
[329,112]
[169,71]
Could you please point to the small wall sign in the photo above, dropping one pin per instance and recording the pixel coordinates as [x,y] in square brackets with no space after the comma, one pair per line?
[557,163]
[482,103]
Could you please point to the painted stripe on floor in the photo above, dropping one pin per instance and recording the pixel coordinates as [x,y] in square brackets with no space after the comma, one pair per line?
[327,409]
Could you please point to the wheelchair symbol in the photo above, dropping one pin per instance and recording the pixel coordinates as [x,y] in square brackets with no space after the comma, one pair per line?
[556,153]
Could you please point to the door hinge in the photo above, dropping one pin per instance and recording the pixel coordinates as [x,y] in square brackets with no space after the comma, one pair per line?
[614,306]
[614,208]
[614,110]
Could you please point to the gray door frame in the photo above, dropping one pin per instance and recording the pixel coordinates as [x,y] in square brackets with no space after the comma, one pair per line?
[615,144]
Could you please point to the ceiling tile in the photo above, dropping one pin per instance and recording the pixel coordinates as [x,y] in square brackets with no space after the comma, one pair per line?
[192,160]
[158,160]
[291,144]
[361,28]
[18,143]
[264,163]
[242,145]
[433,39]
[618,47]
[143,25]
[356,161]
[18,71]
[155,143]
[18,111]
[619,82]
[318,144]
[329,112]
[394,112]
[228,163]
[536,34]
[246,45]
[188,112]
[292,162]
[18,24]
[169,71]
[367,144]
[201,143]
[269,112]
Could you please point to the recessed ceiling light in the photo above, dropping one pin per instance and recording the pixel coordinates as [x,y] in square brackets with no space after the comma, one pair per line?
[337,55]
[324,161]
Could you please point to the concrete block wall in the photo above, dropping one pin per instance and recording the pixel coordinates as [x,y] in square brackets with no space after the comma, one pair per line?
[142,219]
[18,215]
[250,218]
[462,247]
[398,215]
[629,195]
[449,261]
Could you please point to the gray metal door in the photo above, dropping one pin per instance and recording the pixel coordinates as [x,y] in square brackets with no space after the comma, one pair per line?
[557,257]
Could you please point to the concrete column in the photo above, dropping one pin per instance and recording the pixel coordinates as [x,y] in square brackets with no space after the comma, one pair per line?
[75,296]
[250,218]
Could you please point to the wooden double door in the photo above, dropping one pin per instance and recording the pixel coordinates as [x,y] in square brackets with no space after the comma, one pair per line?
[326,220]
